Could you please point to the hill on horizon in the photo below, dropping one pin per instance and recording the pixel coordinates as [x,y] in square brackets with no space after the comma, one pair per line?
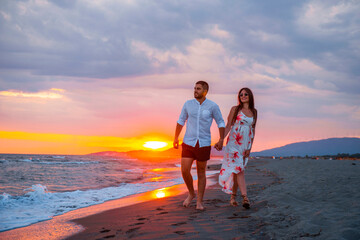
[330,146]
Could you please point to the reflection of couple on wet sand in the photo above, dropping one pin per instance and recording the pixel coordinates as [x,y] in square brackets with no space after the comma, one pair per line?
[199,114]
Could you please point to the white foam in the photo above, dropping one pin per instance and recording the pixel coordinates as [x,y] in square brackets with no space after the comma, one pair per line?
[93,162]
[25,160]
[38,204]
[60,157]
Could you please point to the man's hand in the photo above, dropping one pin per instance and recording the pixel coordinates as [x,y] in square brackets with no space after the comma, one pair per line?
[176,143]
[246,153]
[219,145]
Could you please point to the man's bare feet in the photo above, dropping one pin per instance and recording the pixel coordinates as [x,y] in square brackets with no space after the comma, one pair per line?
[188,200]
[199,206]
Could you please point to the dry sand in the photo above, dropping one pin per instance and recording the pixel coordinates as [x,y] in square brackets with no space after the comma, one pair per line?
[316,199]
[290,199]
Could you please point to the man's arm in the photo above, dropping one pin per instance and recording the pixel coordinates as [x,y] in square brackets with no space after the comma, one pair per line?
[221,125]
[180,123]
[177,133]
[219,145]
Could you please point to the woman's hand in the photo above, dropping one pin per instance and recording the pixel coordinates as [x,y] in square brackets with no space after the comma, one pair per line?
[246,153]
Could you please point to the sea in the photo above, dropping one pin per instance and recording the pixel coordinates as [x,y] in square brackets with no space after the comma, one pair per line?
[35,188]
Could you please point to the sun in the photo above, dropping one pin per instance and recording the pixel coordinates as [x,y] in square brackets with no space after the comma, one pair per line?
[155,144]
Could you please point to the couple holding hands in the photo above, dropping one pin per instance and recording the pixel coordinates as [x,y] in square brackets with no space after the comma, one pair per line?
[199,114]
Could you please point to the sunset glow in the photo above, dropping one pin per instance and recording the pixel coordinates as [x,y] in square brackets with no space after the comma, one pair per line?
[119,85]
[155,144]
[47,143]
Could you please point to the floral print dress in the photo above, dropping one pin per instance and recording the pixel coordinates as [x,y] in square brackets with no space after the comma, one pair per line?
[238,142]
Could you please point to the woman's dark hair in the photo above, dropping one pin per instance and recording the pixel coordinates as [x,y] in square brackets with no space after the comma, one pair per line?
[251,105]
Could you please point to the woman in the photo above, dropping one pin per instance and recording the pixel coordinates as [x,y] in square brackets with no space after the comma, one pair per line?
[241,124]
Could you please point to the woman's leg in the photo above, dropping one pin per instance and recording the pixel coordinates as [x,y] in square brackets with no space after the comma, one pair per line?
[242,186]
[241,182]
[233,201]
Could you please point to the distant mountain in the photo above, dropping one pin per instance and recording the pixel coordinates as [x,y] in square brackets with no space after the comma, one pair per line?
[143,154]
[330,146]
[170,153]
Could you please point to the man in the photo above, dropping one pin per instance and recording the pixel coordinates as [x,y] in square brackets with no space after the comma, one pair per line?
[199,114]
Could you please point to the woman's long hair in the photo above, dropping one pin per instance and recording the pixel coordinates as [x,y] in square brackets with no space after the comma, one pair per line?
[251,105]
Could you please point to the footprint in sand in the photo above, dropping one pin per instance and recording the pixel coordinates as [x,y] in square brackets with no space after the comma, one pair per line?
[110,236]
[180,232]
[132,230]
[140,223]
[159,209]
[178,224]
[142,219]
[234,217]
[105,230]
[162,213]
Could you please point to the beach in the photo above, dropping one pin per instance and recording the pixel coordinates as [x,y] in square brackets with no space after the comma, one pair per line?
[290,199]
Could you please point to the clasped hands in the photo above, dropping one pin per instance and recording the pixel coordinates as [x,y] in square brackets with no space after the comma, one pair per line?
[219,145]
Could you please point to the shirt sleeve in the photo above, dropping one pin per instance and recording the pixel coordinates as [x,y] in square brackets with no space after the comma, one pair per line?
[218,117]
[183,116]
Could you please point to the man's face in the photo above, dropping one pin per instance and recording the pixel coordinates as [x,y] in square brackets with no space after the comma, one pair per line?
[199,91]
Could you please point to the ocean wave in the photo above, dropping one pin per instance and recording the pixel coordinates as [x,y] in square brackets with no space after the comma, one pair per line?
[93,162]
[40,161]
[59,157]
[38,204]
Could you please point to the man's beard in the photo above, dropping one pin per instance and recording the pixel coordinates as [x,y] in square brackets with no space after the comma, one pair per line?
[199,96]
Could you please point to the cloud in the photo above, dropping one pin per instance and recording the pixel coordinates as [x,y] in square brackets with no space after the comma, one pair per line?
[121,62]
[219,33]
[342,110]
[46,94]
[320,19]
[269,38]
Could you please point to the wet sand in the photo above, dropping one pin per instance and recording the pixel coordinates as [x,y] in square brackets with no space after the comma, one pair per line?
[290,199]
[166,218]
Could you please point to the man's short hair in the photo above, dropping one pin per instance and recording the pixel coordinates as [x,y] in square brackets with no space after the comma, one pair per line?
[204,84]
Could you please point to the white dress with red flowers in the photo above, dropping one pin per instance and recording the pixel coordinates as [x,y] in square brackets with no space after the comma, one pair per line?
[238,142]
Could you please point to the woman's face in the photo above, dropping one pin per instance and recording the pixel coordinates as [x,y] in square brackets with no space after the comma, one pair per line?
[244,96]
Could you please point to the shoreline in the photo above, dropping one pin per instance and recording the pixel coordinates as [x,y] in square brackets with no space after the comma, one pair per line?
[60,226]
[290,199]
[166,218]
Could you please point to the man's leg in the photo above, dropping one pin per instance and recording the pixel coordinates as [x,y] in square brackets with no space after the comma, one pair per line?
[186,164]
[201,172]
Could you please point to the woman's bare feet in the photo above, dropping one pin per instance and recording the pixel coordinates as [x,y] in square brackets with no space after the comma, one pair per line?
[188,200]
[233,201]
[199,206]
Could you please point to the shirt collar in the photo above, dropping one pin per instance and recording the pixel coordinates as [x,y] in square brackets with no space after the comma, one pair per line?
[198,101]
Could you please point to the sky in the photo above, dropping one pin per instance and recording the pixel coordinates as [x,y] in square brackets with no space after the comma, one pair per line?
[85,76]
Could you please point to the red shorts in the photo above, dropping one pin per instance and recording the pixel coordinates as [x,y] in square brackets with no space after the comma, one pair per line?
[197,153]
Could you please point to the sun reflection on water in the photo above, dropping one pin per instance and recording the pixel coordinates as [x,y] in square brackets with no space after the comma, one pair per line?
[160,193]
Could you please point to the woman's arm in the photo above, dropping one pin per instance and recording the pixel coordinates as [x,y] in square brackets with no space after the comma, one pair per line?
[253,130]
[247,152]
[220,143]
[229,121]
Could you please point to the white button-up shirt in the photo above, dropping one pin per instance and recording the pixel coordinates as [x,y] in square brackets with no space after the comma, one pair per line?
[199,119]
